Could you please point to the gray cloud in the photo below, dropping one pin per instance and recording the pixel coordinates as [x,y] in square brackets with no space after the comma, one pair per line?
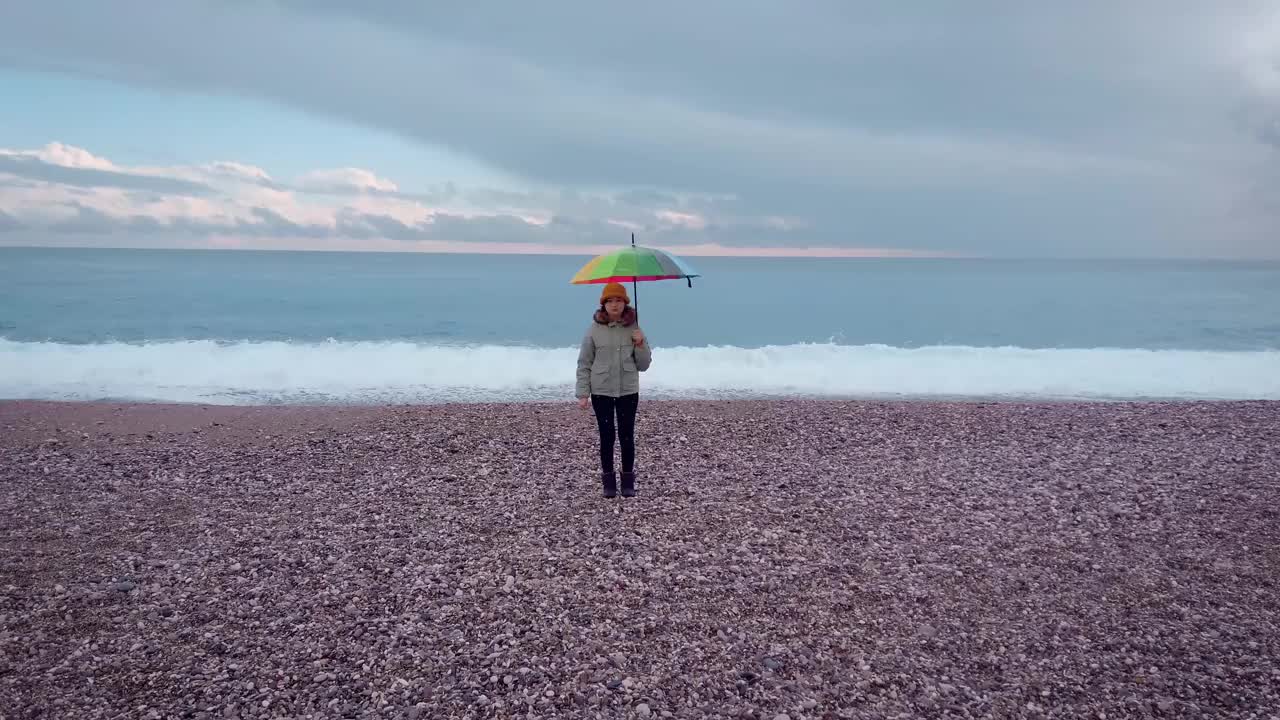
[32,168]
[82,220]
[9,223]
[1073,128]
[1269,132]
[88,221]
[17,182]
[91,221]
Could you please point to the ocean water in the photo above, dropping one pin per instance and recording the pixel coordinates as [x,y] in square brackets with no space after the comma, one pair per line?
[235,327]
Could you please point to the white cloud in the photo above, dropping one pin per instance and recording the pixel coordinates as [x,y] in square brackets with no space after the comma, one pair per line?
[76,167]
[1257,54]
[684,219]
[223,195]
[236,170]
[345,180]
[56,153]
[230,199]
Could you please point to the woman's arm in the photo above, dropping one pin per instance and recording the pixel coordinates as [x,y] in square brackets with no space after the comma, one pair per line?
[642,352]
[586,356]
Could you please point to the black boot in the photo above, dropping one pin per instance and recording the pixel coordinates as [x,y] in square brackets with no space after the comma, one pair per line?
[610,480]
[628,484]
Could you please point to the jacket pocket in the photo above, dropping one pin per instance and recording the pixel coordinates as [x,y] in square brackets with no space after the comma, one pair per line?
[599,374]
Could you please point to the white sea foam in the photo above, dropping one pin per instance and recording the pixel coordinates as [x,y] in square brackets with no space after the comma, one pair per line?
[359,372]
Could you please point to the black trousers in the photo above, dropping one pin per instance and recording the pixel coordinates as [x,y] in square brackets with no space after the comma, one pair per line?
[624,408]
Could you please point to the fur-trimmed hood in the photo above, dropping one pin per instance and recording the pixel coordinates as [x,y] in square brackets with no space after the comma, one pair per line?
[628,317]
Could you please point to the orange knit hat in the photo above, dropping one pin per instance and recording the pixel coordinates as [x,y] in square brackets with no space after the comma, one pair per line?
[614,290]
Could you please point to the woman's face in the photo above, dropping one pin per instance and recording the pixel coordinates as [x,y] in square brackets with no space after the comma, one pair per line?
[614,307]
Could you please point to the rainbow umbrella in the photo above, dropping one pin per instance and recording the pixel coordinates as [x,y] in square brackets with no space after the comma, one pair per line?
[634,263]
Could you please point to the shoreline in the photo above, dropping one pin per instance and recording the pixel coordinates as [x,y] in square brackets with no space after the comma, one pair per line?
[166,416]
[818,558]
[663,399]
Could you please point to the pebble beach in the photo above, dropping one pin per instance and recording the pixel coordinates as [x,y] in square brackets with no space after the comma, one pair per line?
[783,560]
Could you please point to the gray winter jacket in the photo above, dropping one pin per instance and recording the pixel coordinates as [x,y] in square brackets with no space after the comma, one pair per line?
[608,362]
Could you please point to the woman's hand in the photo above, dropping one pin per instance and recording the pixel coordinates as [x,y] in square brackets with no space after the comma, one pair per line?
[637,337]
[584,402]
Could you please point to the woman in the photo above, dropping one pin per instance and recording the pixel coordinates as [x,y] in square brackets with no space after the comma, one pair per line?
[613,354]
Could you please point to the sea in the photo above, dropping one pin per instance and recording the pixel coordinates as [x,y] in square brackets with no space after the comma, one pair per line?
[240,327]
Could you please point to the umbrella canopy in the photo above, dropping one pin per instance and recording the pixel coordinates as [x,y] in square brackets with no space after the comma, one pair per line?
[634,263]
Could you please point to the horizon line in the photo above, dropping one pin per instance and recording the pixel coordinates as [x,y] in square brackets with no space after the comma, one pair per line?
[526,249]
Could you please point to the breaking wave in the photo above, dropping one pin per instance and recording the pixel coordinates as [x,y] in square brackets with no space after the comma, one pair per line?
[250,373]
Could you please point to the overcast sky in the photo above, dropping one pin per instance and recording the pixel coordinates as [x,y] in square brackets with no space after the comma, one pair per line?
[1094,128]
